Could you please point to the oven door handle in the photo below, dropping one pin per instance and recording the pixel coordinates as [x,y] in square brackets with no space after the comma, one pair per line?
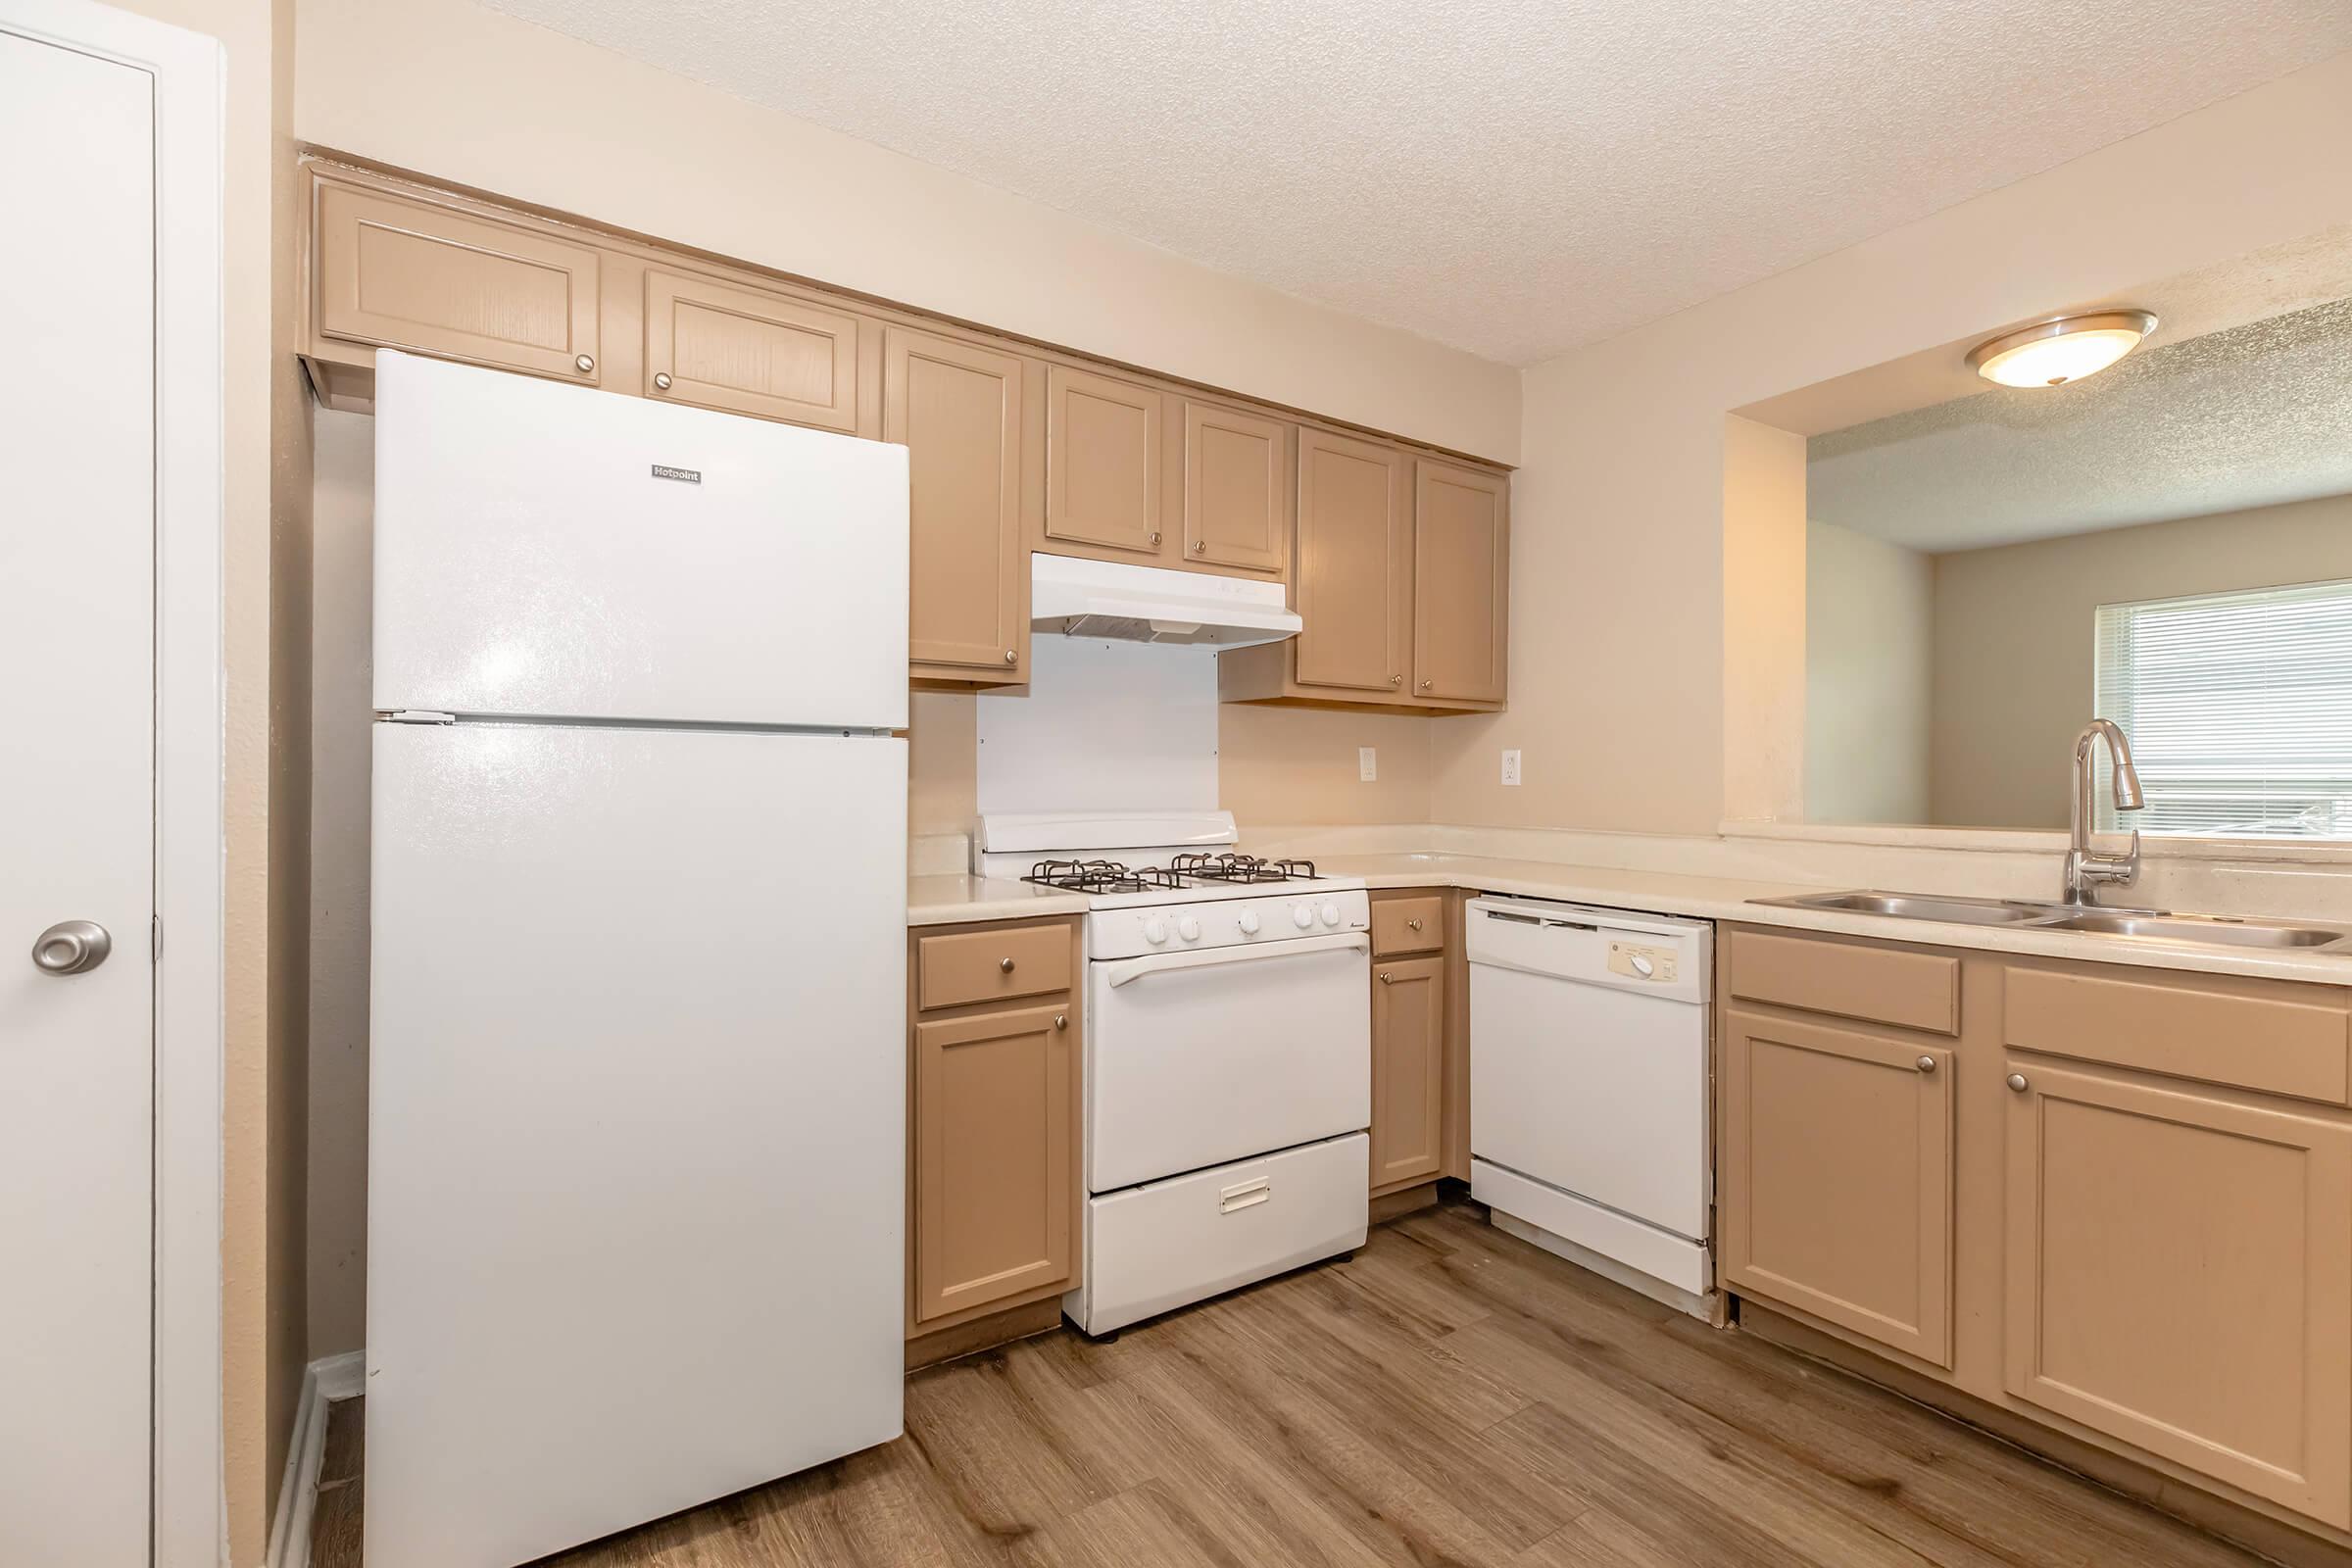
[1298,948]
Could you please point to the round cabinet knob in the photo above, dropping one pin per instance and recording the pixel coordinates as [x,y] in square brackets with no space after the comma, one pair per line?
[71,947]
[2017,1081]
[1155,536]
[1200,547]
[1331,915]
[661,381]
[1005,965]
[1062,1020]
[1415,924]
[587,364]
[1012,657]
[1156,931]
[1387,978]
[1643,966]
[1425,685]
[1189,929]
[1248,922]
[1396,680]
[1926,1064]
[1301,915]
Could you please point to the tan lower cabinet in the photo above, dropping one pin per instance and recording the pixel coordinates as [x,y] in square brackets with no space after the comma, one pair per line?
[1837,1188]
[972,420]
[993,1114]
[2180,1276]
[1409,1071]
[760,352]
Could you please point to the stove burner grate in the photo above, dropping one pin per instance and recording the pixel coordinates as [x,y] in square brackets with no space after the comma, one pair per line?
[1100,876]
[1232,867]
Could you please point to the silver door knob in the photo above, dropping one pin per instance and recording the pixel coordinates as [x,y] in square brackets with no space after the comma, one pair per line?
[71,947]
[1425,685]
[1926,1064]
[661,380]
[1396,680]
[586,363]
[1062,1020]
[1200,547]
[1005,965]
[1415,924]
[1012,657]
[1387,977]
[1155,536]
[2017,1081]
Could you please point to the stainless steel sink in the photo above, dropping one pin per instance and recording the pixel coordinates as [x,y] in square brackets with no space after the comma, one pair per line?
[1918,906]
[2148,925]
[2214,929]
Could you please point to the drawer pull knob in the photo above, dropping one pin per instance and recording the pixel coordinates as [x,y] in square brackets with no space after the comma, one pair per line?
[586,363]
[1062,1020]
[2017,1081]
[1005,965]
[1415,924]
[1926,1064]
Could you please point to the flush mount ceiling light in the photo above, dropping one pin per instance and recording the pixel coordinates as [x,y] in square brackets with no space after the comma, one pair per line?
[2068,349]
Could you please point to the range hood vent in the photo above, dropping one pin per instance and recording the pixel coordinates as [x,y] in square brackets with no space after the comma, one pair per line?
[1152,604]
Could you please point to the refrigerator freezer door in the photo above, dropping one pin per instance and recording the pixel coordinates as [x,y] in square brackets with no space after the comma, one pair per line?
[550,551]
[636,1123]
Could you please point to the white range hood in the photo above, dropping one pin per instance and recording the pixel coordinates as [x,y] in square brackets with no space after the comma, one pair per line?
[1154,604]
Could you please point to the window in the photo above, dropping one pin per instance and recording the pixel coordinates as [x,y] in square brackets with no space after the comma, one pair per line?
[2238,708]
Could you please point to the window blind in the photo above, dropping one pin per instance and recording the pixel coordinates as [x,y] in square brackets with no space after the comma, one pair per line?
[2238,707]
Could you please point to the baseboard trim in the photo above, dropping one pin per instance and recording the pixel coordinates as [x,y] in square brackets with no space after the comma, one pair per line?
[324,1381]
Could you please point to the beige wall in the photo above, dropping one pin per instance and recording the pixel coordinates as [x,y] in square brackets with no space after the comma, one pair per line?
[265,542]
[2012,666]
[1620,610]
[1870,617]
[1764,683]
[448,88]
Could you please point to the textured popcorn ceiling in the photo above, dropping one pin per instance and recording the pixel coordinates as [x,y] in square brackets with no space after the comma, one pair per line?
[2249,417]
[1512,177]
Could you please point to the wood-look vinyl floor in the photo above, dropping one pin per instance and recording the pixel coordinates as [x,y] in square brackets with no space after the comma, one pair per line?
[1449,1396]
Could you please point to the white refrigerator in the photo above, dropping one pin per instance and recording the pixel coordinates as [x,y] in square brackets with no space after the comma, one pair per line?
[637,1081]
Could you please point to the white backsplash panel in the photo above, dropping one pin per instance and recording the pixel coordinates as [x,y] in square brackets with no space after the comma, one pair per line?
[1105,726]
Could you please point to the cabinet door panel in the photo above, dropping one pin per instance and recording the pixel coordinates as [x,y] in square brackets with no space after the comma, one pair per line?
[961,412]
[1461,583]
[749,350]
[994,1158]
[1236,488]
[1837,1187]
[1102,459]
[2180,1276]
[406,274]
[1408,1070]
[1356,563]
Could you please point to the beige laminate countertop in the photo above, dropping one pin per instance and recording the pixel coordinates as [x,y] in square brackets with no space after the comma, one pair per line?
[955,900]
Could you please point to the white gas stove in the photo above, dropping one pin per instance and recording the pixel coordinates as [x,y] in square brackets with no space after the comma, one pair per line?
[1228,1053]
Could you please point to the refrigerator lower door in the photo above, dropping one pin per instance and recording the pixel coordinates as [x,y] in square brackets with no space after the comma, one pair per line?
[636,1126]
[554,552]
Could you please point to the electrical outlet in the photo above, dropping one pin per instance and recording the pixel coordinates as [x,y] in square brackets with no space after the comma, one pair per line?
[1367,763]
[1511,768]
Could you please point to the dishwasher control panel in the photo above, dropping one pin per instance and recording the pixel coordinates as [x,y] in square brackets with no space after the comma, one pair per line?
[1639,961]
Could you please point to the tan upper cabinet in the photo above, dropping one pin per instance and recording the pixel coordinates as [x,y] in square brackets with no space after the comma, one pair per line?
[994,1158]
[760,352]
[1236,495]
[391,271]
[972,420]
[1838,1195]
[1102,458]
[1355,564]
[2179,1272]
[1461,583]
[1408,1070]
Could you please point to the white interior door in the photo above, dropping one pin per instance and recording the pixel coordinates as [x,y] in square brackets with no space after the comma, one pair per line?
[77,805]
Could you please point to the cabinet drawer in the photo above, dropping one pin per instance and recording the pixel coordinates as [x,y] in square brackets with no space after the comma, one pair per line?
[1909,990]
[968,966]
[1407,925]
[399,273]
[2280,1045]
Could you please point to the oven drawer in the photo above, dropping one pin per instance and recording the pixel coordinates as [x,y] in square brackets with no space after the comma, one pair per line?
[1198,1057]
[1155,1247]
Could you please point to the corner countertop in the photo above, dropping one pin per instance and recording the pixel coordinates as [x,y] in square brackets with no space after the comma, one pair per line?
[966,900]
[933,901]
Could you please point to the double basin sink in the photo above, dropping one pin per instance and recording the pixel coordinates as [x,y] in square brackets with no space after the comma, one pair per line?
[2154,925]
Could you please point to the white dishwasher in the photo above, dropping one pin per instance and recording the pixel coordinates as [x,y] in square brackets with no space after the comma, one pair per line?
[1588,1085]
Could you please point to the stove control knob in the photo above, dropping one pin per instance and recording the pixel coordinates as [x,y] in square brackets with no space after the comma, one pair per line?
[1248,922]
[1302,916]
[1155,930]
[1331,915]
[1189,929]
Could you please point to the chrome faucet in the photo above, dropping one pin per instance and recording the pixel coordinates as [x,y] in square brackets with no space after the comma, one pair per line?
[2084,867]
